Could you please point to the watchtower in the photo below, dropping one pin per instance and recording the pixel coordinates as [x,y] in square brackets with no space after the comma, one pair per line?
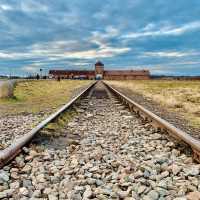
[99,69]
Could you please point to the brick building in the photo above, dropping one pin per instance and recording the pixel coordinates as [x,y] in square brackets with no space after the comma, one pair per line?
[100,73]
[72,74]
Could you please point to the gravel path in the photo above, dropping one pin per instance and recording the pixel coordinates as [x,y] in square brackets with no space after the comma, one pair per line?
[13,127]
[104,152]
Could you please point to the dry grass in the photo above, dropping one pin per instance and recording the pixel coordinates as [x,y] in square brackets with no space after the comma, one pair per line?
[180,96]
[36,96]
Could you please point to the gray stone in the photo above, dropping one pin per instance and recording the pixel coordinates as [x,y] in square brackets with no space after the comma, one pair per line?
[176,169]
[3,194]
[192,170]
[36,193]
[4,176]
[27,183]
[14,185]
[164,174]
[138,174]
[99,182]
[20,161]
[27,169]
[52,197]
[123,194]
[6,193]
[141,189]
[153,195]
[88,192]
[40,178]
[91,181]
[23,191]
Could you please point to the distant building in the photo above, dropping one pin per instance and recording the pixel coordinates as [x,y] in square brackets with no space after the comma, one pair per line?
[100,73]
[72,74]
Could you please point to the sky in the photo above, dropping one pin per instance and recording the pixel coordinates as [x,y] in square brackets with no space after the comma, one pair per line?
[160,35]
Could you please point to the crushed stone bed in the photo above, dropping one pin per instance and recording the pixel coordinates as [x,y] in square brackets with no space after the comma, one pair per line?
[104,152]
[13,127]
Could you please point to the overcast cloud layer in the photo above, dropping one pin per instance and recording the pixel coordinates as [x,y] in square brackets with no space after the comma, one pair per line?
[162,36]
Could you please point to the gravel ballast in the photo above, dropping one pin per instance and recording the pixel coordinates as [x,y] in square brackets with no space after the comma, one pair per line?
[104,152]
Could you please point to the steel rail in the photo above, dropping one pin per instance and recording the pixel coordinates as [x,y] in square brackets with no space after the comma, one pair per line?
[160,123]
[14,149]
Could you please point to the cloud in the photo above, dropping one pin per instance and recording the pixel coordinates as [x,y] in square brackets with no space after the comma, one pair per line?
[163,31]
[101,38]
[31,6]
[105,52]
[111,32]
[6,7]
[123,34]
[33,68]
[56,50]
[4,55]
[169,54]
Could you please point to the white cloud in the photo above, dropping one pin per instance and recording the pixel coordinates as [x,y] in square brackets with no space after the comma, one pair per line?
[5,55]
[102,40]
[60,50]
[52,46]
[166,30]
[33,6]
[111,31]
[31,68]
[100,53]
[169,54]
[6,7]
[80,63]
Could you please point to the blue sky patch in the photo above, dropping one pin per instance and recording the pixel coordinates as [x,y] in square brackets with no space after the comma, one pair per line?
[162,36]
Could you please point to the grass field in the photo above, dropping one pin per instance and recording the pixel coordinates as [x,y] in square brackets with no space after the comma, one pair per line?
[180,96]
[35,96]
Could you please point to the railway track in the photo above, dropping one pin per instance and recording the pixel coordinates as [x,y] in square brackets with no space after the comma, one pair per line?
[101,151]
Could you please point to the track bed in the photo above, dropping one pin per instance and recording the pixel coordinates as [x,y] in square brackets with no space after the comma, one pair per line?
[104,152]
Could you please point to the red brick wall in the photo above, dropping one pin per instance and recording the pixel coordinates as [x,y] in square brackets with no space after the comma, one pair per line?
[126,77]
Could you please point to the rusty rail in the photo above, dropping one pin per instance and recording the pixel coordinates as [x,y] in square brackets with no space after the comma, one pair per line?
[160,123]
[14,149]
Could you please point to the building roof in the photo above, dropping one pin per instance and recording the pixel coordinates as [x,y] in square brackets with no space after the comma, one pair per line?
[99,63]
